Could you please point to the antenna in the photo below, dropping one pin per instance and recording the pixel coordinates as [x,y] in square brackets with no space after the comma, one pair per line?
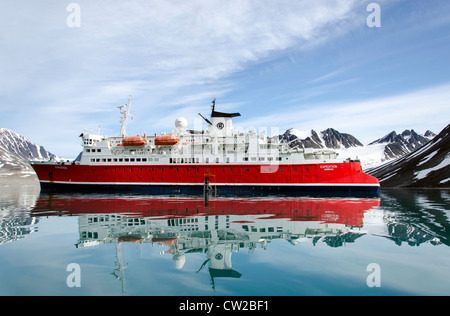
[213,107]
[125,114]
[206,120]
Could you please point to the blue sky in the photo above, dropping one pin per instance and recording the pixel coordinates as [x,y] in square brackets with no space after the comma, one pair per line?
[281,64]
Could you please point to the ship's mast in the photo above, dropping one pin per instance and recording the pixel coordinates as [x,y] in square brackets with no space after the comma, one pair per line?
[124,119]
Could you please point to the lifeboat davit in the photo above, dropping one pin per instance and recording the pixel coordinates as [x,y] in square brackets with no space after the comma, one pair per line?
[134,141]
[168,140]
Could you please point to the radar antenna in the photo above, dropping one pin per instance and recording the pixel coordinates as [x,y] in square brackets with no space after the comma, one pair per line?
[124,119]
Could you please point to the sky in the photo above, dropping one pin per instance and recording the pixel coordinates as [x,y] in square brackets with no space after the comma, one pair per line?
[66,66]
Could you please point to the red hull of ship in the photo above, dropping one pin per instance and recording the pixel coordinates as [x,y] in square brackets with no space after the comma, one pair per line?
[340,211]
[338,175]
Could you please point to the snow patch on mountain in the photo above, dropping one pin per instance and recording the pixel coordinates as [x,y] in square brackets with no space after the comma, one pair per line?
[421,174]
[301,134]
[370,156]
[427,158]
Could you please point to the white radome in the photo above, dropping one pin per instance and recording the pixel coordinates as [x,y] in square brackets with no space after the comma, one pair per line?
[181,123]
[179,259]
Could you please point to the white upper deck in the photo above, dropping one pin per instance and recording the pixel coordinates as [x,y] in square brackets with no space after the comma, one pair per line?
[218,144]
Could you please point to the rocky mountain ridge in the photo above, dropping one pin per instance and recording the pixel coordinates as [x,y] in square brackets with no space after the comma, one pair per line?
[398,145]
[16,150]
[388,147]
[427,166]
[329,138]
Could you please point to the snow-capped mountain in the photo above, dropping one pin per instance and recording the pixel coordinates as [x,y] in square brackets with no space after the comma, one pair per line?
[21,146]
[16,150]
[397,145]
[428,166]
[391,146]
[328,138]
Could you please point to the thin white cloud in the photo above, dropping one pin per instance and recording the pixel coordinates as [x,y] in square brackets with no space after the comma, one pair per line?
[327,76]
[195,41]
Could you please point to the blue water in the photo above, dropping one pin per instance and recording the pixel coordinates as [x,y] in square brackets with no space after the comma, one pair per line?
[86,244]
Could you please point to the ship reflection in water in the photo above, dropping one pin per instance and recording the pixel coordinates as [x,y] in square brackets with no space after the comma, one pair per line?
[186,245]
[223,226]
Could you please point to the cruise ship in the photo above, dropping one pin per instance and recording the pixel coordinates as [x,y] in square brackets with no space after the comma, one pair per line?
[218,159]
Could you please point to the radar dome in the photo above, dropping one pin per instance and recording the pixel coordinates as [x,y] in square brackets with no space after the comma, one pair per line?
[179,259]
[181,123]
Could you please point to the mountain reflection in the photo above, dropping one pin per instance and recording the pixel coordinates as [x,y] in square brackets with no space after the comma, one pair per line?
[17,197]
[415,217]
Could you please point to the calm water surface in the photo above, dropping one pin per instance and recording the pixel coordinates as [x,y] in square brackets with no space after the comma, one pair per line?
[75,244]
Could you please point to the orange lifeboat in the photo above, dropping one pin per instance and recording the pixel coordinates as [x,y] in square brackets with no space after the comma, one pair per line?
[134,141]
[168,140]
[165,241]
[130,239]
